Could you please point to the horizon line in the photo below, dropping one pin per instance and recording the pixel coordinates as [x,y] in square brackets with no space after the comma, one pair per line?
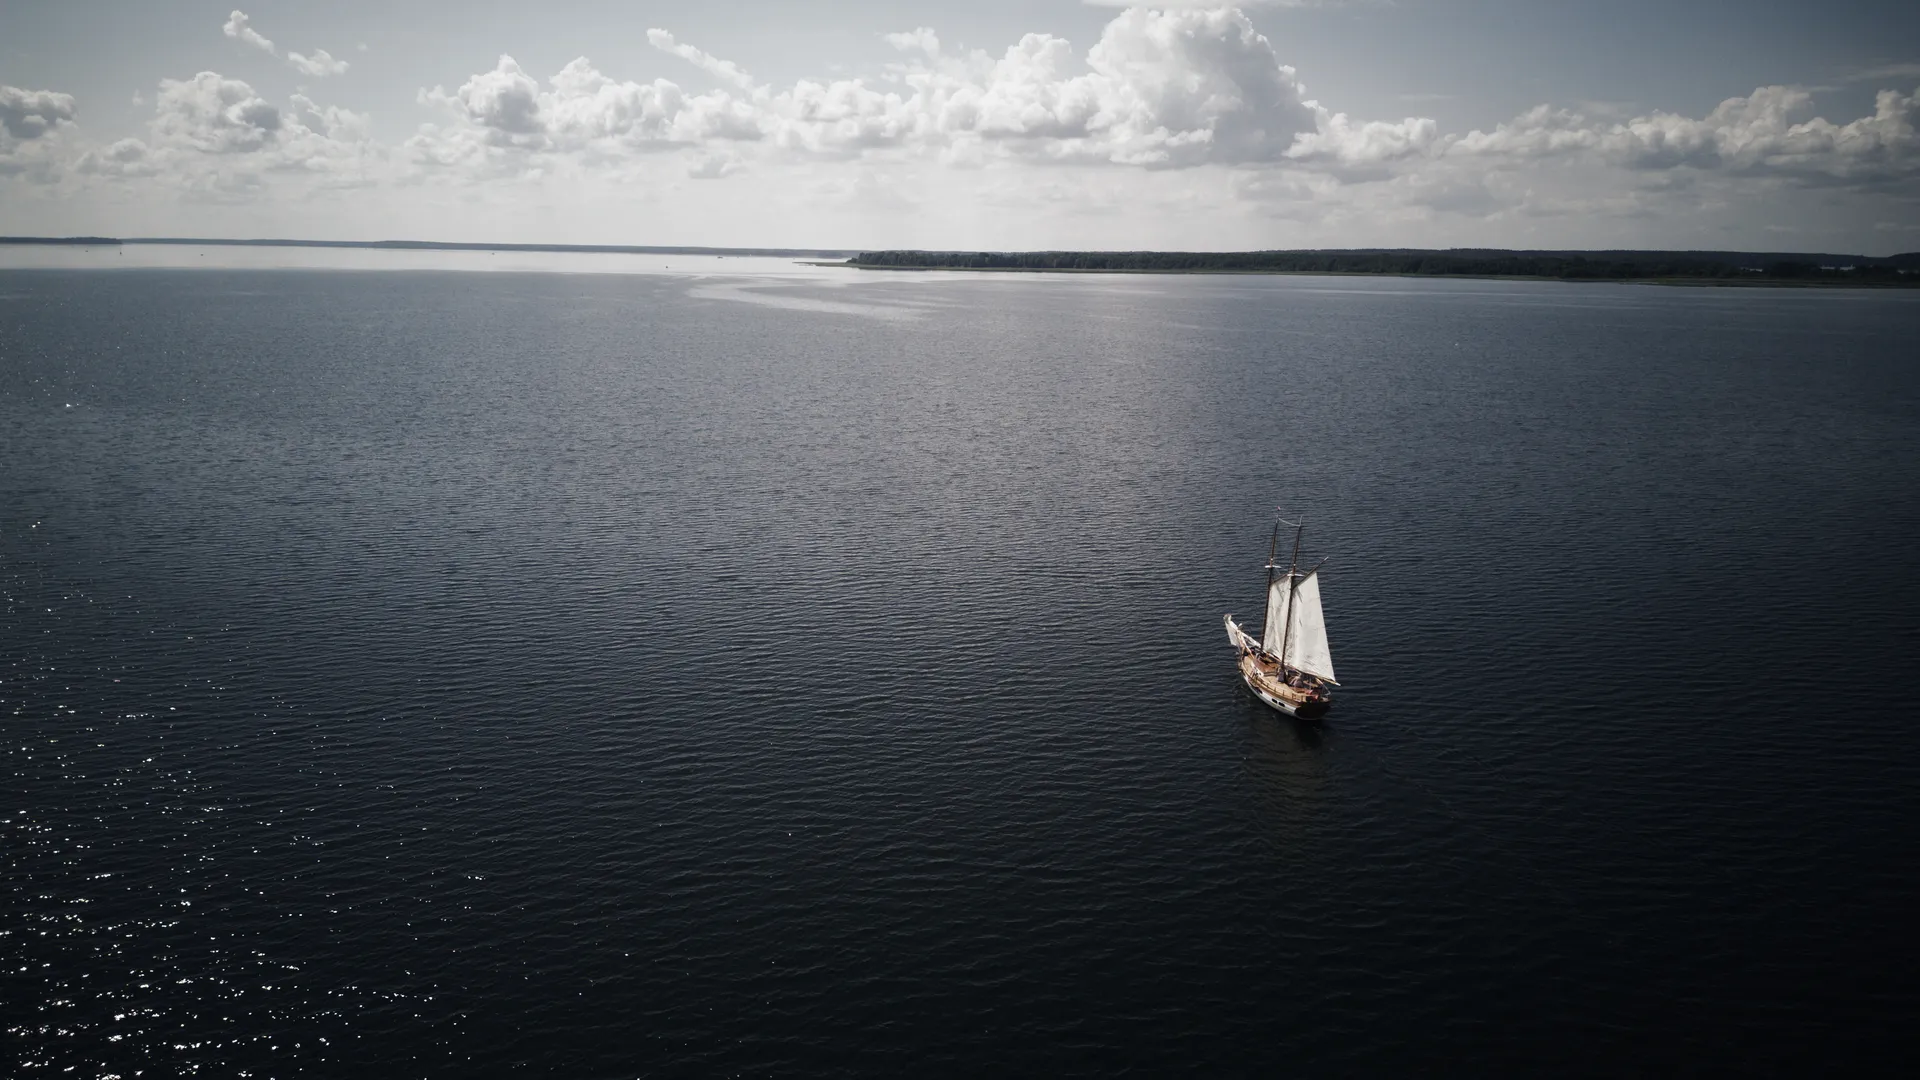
[696,249]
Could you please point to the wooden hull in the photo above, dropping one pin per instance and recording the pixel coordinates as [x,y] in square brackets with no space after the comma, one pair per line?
[1263,679]
[1287,699]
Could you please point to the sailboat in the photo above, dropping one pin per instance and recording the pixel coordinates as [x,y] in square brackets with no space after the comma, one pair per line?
[1289,666]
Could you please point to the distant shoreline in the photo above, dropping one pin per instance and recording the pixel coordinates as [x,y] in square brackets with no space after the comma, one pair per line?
[1736,269]
[1697,282]
[1733,268]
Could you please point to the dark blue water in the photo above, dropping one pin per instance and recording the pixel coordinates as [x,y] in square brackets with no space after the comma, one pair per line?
[454,674]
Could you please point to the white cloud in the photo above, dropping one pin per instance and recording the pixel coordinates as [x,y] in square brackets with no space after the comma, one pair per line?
[1886,73]
[581,106]
[214,115]
[319,65]
[29,114]
[217,138]
[1183,87]
[126,158]
[1214,4]
[1161,89]
[238,29]
[30,126]
[1541,131]
[713,167]
[1762,134]
[1182,115]
[724,70]
[919,39]
[1340,142]
[505,102]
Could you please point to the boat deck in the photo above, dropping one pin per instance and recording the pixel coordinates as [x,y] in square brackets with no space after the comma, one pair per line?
[1266,677]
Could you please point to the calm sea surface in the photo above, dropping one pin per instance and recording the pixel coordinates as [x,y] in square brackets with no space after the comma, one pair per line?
[732,667]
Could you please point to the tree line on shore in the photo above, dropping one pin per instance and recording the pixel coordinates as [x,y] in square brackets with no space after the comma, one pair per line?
[1567,265]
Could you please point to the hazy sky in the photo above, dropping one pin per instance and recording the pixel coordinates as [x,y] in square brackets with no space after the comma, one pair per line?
[977,124]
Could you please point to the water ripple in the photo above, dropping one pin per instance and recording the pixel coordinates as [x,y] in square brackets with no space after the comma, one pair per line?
[516,674]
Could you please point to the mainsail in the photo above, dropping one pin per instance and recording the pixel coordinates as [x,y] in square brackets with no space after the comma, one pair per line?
[1276,616]
[1307,636]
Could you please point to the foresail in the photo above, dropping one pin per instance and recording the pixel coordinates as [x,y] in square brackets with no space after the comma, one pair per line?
[1307,639]
[1276,616]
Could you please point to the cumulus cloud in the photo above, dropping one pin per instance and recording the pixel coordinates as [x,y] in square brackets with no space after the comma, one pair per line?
[1161,92]
[1183,87]
[1215,3]
[126,158]
[580,109]
[29,114]
[1559,166]
[1760,134]
[30,122]
[1341,142]
[318,65]
[1541,131]
[219,138]
[1768,133]
[238,28]
[214,115]
[504,101]
[1160,89]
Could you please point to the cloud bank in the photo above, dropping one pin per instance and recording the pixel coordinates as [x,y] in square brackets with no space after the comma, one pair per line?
[1182,110]
[216,137]
[1160,89]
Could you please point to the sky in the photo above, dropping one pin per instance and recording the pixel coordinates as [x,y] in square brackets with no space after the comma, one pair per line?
[984,124]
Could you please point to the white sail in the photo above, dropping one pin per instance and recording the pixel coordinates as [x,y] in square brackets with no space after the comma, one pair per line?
[1276,616]
[1307,637]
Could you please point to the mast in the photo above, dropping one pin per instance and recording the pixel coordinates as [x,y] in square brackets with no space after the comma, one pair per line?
[1273,546]
[1293,566]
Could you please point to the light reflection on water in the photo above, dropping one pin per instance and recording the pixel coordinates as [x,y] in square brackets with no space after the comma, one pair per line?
[588,673]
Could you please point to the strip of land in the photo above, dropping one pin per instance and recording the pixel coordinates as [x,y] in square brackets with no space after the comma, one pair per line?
[1679,267]
[1666,267]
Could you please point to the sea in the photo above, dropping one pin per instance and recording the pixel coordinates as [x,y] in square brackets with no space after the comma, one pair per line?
[453,664]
